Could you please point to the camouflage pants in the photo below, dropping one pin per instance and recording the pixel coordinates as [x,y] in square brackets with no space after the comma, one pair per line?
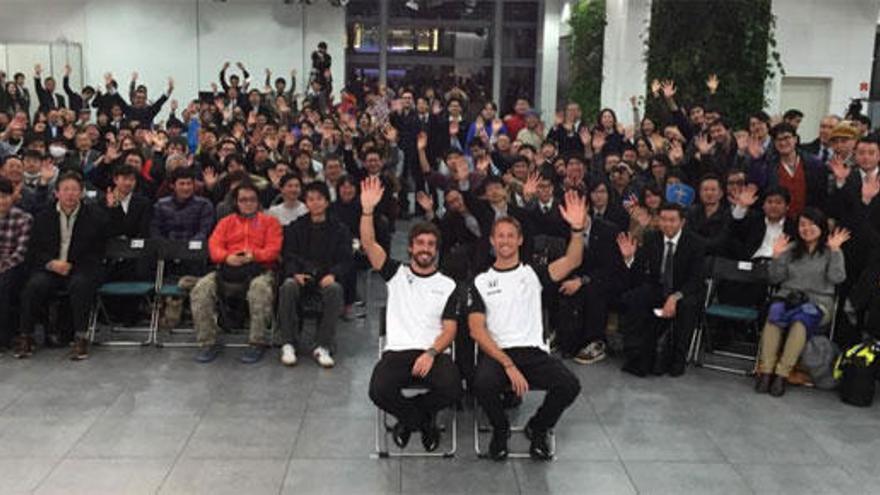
[203,301]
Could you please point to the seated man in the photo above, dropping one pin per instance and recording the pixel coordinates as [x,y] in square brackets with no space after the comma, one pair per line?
[245,245]
[664,279]
[15,230]
[421,321]
[66,249]
[505,321]
[317,254]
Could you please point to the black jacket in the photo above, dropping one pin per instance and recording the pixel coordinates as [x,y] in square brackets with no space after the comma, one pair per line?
[317,249]
[47,101]
[602,261]
[135,224]
[747,234]
[687,270]
[87,246]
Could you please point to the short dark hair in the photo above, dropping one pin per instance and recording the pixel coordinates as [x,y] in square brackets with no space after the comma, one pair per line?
[863,119]
[778,191]
[422,228]
[234,157]
[451,153]
[719,121]
[761,115]
[669,206]
[869,140]
[793,113]
[782,128]
[69,175]
[318,187]
[182,173]
[124,170]
[289,177]
[6,186]
[244,185]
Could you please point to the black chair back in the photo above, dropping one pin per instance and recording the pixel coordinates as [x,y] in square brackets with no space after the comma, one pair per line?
[728,270]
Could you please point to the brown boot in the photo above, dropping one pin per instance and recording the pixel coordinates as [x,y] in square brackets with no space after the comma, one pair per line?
[80,350]
[23,347]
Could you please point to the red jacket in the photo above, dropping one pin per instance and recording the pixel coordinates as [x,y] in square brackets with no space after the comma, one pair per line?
[261,235]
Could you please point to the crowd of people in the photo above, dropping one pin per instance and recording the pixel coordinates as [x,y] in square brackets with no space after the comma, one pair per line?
[294,194]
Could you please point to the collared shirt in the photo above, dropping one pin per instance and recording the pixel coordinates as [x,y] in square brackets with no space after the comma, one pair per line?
[66,223]
[774,230]
[125,202]
[500,212]
[546,207]
[15,231]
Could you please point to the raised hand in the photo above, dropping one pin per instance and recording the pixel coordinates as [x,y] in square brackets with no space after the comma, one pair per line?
[47,172]
[669,90]
[598,141]
[756,147]
[585,135]
[840,169]
[742,141]
[390,134]
[703,145]
[134,76]
[482,165]
[676,152]
[422,141]
[530,187]
[574,211]
[748,196]
[634,101]
[371,194]
[225,65]
[712,83]
[627,246]
[38,70]
[783,242]
[425,201]
[209,175]
[67,70]
[838,238]
[170,85]
[173,105]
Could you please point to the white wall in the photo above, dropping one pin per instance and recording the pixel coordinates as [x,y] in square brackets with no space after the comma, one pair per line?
[186,39]
[624,67]
[820,38]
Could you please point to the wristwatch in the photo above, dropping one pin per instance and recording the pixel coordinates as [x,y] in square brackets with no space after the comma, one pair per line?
[432,352]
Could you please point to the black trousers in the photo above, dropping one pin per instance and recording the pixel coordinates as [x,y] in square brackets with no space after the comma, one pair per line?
[582,319]
[394,372]
[10,287]
[542,371]
[642,328]
[44,285]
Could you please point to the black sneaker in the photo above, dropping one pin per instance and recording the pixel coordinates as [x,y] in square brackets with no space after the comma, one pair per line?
[430,436]
[539,449]
[208,353]
[401,433]
[498,445]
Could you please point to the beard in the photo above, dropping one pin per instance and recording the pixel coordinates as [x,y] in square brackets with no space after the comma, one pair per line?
[424,260]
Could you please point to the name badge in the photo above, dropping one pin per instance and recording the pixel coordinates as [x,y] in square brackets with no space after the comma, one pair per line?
[137,243]
[195,245]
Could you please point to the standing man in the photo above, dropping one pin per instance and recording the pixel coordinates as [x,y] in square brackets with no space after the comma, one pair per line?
[505,321]
[421,321]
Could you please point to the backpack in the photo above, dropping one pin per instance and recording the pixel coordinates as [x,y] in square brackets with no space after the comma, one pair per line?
[856,370]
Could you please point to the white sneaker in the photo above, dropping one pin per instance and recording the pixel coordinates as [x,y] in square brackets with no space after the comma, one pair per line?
[288,355]
[322,356]
[592,353]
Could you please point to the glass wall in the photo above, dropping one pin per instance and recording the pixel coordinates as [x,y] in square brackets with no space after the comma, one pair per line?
[446,43]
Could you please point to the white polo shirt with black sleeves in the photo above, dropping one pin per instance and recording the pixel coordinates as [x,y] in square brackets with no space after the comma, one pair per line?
[417,305]
[511,301]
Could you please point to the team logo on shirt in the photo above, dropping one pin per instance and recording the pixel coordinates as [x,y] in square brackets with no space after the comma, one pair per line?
[493,284]
[493,287]
[410,279]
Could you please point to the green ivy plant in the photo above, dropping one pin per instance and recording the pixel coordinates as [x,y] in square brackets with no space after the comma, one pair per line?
[690,39]
[587,23]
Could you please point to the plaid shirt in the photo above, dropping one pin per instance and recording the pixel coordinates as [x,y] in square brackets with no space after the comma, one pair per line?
[15,231]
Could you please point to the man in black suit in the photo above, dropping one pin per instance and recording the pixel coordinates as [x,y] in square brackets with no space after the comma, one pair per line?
[47,97]
[128,212]
[66,250]
[753,232]
[545,210]
[587,293]
[665,281]
[496,204]
[447,130]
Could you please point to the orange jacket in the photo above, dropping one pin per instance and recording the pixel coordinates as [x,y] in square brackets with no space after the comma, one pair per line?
[261,235]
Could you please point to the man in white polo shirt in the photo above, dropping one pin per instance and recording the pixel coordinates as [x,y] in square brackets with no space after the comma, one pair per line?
[505,320]
[421,316]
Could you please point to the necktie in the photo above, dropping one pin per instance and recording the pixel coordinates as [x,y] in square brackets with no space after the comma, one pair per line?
[668,259]
[545,209]
[824,154]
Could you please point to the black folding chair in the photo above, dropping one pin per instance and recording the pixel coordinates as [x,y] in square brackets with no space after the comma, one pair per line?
[750,275]
[383,429]
[189,254]
[125,251]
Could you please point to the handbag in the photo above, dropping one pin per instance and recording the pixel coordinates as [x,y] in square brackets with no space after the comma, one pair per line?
[234,281]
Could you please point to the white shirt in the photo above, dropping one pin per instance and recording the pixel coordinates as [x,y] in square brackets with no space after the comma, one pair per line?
[286,215]
[774,230]
[125,202]
[511,301]
[417,306]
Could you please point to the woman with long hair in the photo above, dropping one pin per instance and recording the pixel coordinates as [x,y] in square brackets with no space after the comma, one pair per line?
[807,271]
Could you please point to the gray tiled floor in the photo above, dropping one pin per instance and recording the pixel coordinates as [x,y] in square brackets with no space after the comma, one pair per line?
[153,421]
